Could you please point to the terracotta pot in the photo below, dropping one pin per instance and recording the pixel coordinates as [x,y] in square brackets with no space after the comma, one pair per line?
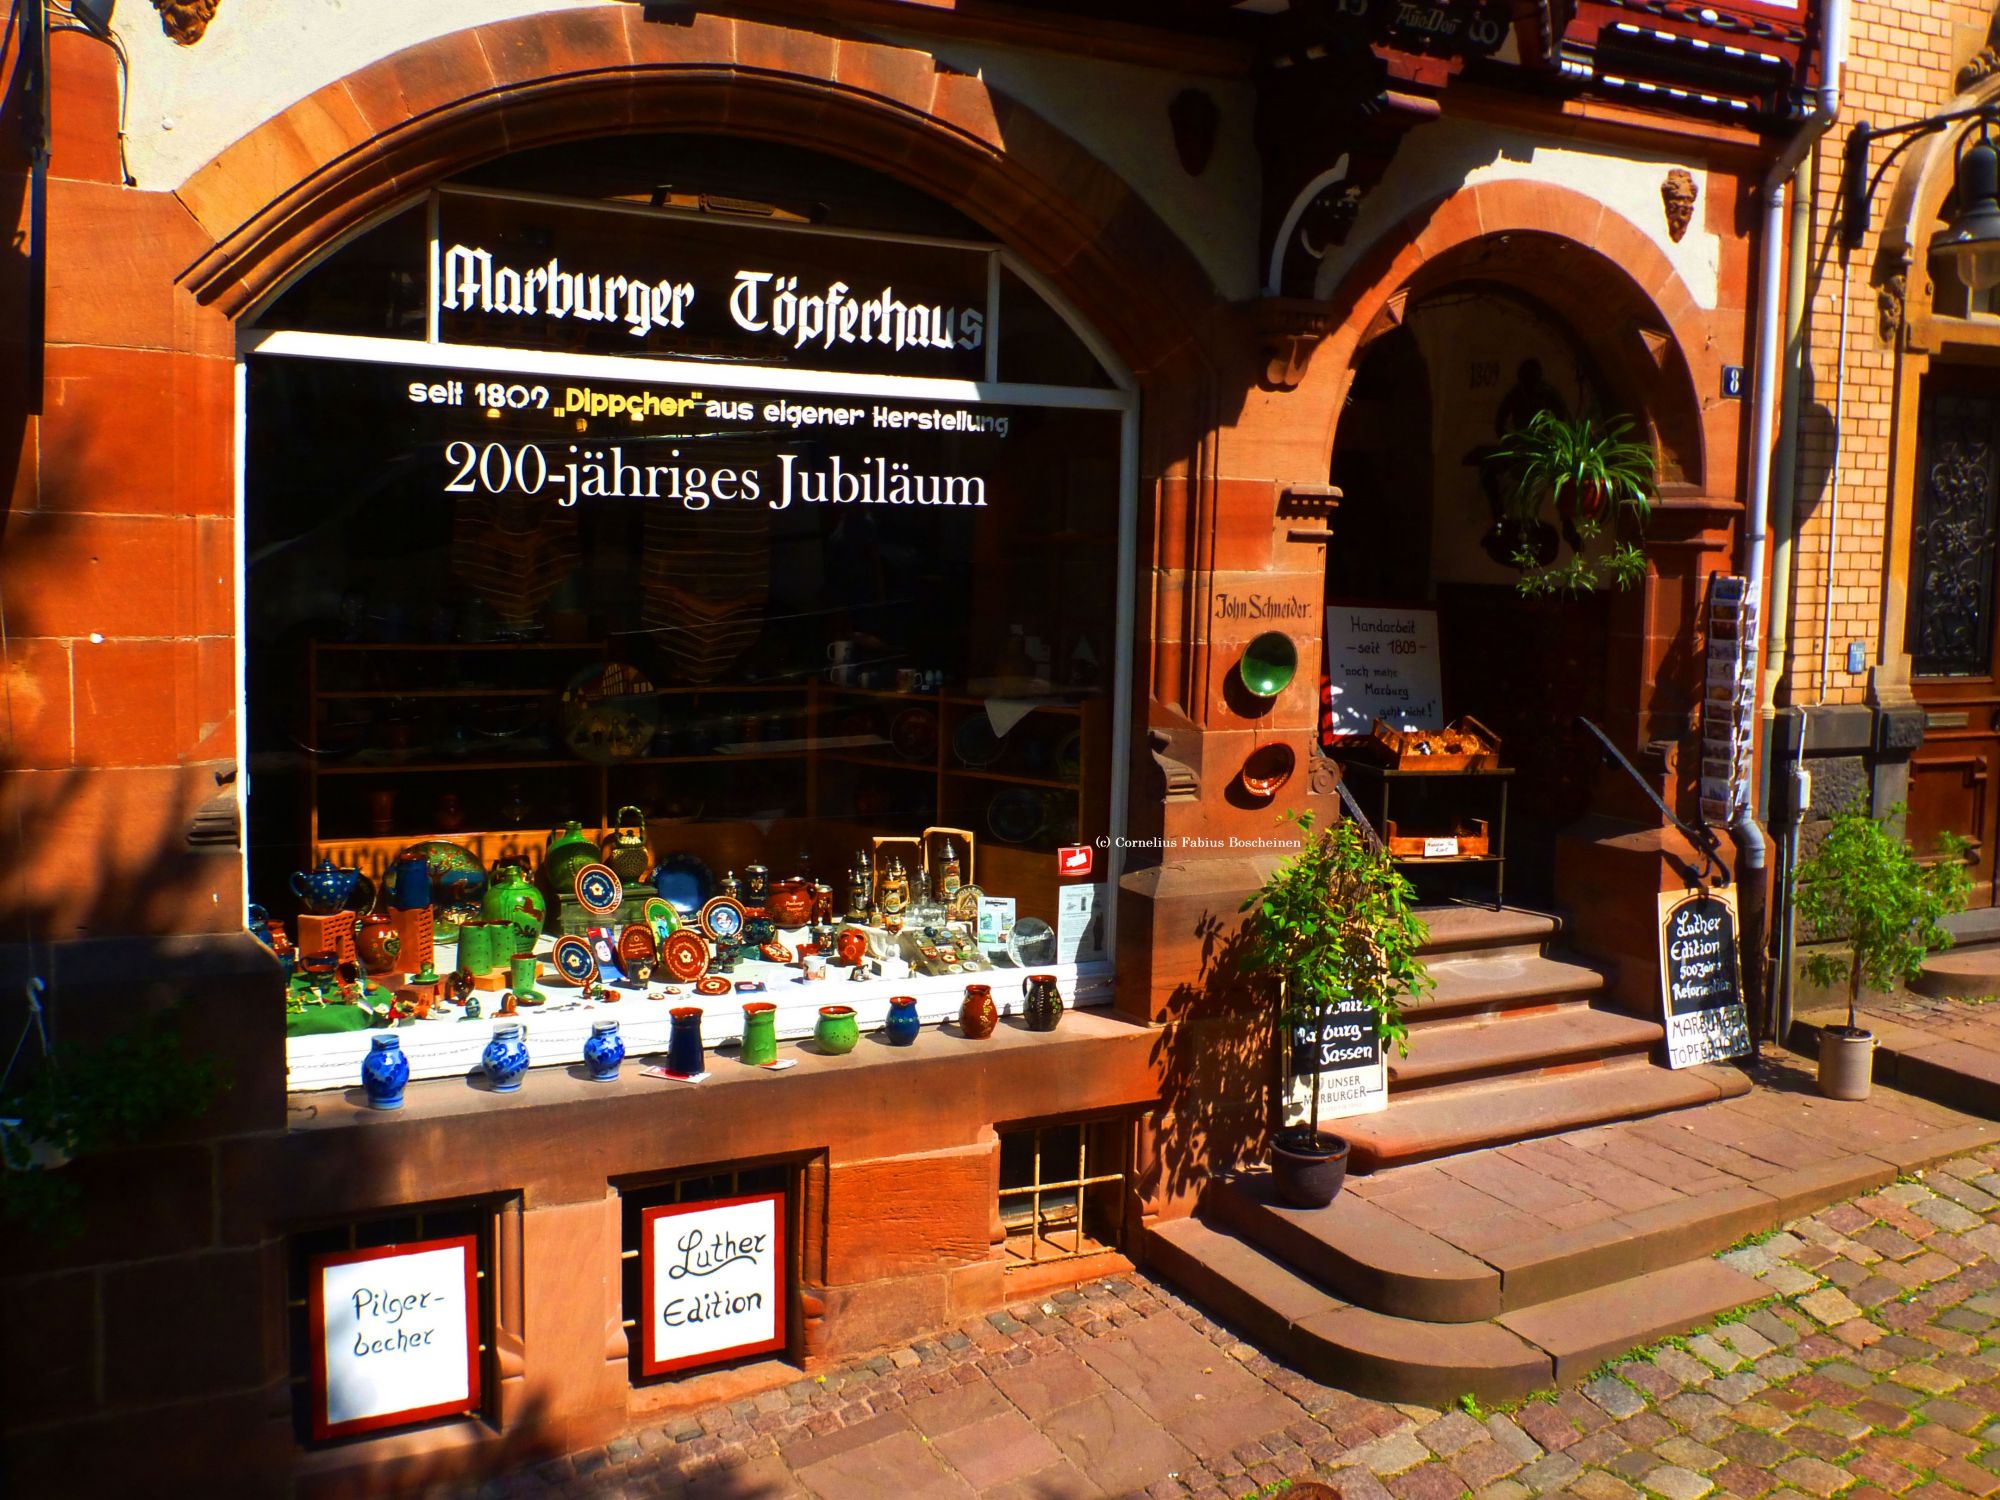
[378,942]
[1846,1062]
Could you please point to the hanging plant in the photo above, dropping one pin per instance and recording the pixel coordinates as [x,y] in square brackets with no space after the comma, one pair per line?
[1589,475]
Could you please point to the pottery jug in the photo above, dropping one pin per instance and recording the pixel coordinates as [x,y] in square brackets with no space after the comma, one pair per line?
[568,851]
[760,1032]
[790,903]
[684,1054]
[514,899]
[604,1051]
[977,1016]
[412,882]
[1042,1004]
[378,942]
[326,890]
[384,1071]
[625,849]
[506,1057]
[836,1032]
[903,1025]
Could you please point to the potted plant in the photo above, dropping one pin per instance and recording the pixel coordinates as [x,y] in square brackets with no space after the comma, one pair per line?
[1335,922]
[1591,473]
[1866,891]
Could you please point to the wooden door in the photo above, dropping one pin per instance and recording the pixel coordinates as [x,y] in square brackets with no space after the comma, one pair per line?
[1954,628]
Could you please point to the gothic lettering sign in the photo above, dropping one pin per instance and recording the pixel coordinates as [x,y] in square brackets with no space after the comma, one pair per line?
[395,1335]
[1703,997]
[713,1279]
[528,273]
[1455,28]
[1348,1050]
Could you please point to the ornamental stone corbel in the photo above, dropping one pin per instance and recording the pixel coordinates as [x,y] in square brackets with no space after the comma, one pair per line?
[1289,329]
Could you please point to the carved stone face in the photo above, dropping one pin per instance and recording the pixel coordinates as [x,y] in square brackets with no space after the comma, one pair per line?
[1678,194]
[185,20]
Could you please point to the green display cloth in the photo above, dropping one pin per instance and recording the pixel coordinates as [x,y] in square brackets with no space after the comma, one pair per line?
[325,1020]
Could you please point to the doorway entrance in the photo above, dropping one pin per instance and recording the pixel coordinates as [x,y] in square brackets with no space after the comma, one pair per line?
[1422,528]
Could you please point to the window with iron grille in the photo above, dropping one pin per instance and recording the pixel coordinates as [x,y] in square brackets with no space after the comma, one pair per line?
[414,1227]
[698,1187]
[1062,1190]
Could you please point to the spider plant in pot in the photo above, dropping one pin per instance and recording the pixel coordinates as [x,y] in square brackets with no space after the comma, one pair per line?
[1591,474]
[1881,910]
[1335,924]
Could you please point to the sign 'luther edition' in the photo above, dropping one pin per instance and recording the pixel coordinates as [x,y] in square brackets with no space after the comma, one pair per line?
[395,1335]
[1706,1019]
[713,1281]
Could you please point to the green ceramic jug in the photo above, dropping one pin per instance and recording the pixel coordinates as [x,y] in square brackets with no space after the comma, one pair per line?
[512,897]
[568,851]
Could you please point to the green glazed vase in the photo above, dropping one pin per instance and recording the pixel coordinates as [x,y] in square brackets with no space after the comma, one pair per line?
[475,948]
[512,897]
[836,1032]
[760,1032]
[568,851]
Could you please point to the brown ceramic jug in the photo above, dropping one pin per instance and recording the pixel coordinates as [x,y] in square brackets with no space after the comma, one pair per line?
[977,1016]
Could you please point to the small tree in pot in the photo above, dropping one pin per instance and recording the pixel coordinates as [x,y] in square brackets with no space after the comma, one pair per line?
[1866,889]
[1335,922]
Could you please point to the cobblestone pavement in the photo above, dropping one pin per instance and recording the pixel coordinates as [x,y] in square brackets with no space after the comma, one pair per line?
[1874,1370]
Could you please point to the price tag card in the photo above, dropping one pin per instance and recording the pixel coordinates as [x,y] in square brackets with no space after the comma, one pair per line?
[1444,848]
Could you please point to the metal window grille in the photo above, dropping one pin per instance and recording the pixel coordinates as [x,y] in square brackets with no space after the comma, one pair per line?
[1061,1191]
[723,1182]
[367,1234]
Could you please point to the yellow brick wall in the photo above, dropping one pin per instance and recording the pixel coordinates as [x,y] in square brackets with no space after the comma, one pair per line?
[1903,57]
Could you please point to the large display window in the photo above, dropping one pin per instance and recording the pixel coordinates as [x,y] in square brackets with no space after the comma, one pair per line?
[709,553]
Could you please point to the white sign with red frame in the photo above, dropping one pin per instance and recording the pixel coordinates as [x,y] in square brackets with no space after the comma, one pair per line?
[713,1281]
[395,1335]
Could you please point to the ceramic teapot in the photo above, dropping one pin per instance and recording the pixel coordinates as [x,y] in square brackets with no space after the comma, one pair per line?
[327,889]
[625,847]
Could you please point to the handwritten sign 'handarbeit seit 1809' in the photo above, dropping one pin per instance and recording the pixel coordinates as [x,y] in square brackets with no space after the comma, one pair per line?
[1705,1016]
[395,1335]
[714,1281]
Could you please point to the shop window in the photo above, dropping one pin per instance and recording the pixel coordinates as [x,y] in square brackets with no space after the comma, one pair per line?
[771,551]
[1062,1190]
[721,1301]
[1952,549]
[363,1274]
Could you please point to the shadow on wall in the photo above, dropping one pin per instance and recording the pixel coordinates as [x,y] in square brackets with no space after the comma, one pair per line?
[1217,1062]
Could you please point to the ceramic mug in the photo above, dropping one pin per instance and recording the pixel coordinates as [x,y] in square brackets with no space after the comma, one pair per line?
[836,1031]
[814,965]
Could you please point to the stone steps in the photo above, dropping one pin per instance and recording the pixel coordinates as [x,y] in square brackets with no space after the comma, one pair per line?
[1500,984]
[1518,1044]
[1457,929]
[1410,1359]
[1498,1110]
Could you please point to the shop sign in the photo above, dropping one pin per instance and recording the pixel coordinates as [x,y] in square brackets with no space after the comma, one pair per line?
[1705,1016]
[541,274]
[1383,664]
[1353,1073]
[395,1335]
[713,1279]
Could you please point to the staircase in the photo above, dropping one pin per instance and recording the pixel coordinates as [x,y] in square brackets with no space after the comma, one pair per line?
[1510,1045]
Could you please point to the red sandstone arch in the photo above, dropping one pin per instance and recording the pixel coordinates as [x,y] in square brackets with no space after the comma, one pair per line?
[299,180]
[1641,326]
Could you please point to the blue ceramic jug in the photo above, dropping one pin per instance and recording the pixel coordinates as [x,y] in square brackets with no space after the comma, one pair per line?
[684,1054]
[902,1026]
[413,883]
[326,890]
[384,1071]
[604,1051]
[506,1057]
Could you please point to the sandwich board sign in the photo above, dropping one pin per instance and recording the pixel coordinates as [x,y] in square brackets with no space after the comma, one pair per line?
[1700,984]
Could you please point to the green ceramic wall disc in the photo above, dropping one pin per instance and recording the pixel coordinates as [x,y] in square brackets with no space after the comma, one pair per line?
[1269,663]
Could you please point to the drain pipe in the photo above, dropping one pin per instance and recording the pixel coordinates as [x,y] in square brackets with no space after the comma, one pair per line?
[1753,875]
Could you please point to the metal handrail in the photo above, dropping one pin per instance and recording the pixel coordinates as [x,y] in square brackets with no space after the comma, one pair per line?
[1699,835]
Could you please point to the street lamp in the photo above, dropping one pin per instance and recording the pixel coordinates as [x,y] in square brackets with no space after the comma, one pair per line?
[1970,243]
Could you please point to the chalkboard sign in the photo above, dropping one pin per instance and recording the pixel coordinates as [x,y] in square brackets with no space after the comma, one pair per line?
[1699,983]
[1349,1052]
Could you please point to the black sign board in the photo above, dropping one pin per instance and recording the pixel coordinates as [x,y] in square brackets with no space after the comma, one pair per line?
[530,273]
[1700,985]
[1348,1052]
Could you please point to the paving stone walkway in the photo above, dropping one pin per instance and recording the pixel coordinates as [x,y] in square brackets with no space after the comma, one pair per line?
[1873,1371]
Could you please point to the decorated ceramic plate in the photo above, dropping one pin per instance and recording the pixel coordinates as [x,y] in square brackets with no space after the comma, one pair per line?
[574,960]
[658,910]
[685,882]
[964,905]
[685,955]
[637,945]
[1015,815]
[714,984]
[722,918]
[599,890]
[974,742]
[609,713]
[776,952]
[913,734]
